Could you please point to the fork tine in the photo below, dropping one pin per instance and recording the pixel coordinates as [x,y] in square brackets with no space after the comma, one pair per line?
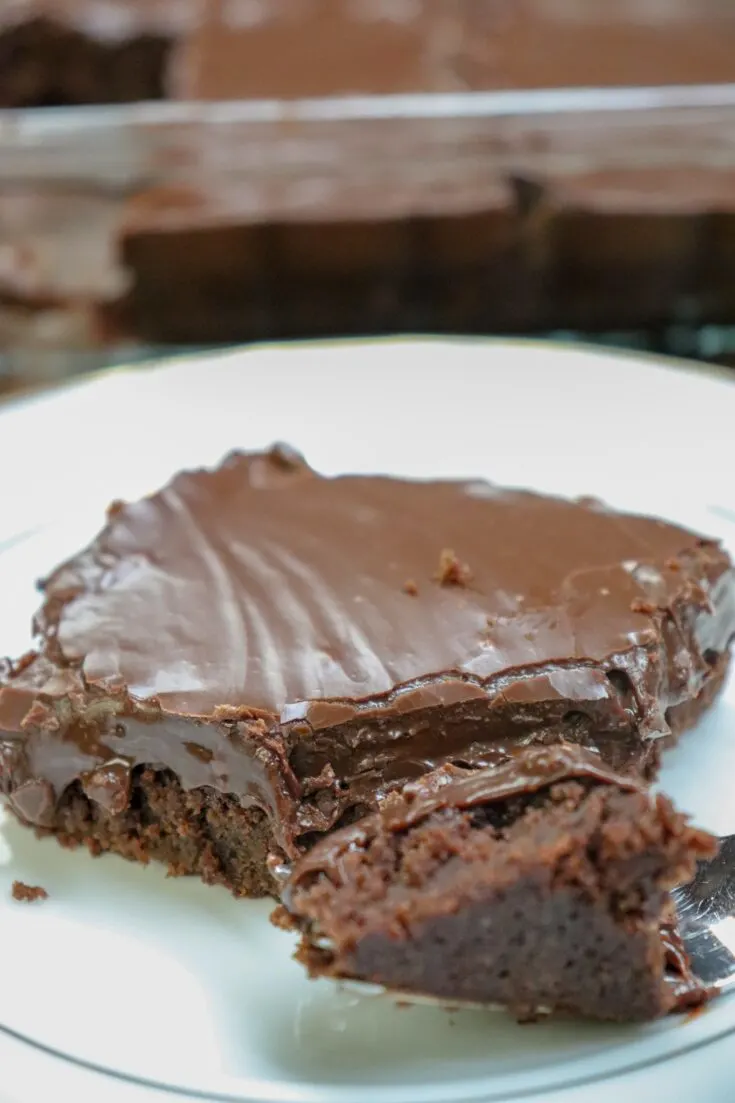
[706,911]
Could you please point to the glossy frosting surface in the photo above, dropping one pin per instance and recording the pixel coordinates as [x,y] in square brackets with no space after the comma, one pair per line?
[263,585]
[309,644]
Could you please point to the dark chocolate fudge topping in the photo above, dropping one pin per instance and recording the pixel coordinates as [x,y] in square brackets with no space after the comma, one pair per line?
[251,629]
[526,772]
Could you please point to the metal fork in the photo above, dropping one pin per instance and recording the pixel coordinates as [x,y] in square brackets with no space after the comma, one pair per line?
[706,910]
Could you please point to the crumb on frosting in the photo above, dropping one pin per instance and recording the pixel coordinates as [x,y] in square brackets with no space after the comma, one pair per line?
[638,605]
[452,571]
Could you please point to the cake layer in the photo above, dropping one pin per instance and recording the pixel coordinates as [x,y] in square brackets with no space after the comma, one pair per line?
[305,644]
[542,885]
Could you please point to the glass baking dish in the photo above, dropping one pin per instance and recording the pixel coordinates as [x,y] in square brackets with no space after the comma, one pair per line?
[178,224]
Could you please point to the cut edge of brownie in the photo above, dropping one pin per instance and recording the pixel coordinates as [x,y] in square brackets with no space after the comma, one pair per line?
[303,782]
[207,833]
[201,831]
[554,898]
[197,831]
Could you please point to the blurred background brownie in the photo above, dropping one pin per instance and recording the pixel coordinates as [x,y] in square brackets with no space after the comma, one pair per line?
[98,51]
[44,63]
[190,224]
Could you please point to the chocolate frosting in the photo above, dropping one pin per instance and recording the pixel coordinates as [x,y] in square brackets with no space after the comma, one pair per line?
[305,642]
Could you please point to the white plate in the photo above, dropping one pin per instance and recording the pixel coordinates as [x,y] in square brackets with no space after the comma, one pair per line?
[158,982]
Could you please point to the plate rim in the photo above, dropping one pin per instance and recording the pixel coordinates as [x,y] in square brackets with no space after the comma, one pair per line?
[686,365]
[702,372]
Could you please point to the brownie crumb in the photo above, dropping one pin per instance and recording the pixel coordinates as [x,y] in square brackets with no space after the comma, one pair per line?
[238,713]
[281,919]
[452,571]
[284,456]
[14,668]
[28,893]
[638,605]
[410,588]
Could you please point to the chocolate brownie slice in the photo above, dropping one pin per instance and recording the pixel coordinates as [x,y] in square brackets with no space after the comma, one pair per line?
[46,63]
[542,885]
[254,655]
[287,50]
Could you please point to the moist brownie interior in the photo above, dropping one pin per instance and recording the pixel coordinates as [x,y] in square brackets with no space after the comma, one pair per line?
[256,655]
[542,885]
